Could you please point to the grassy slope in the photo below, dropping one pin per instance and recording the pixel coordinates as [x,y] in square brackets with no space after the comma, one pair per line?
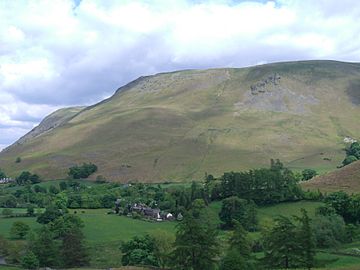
[177,126]
[346,179]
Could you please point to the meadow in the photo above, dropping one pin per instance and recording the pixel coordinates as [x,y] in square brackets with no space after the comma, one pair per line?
[105,232]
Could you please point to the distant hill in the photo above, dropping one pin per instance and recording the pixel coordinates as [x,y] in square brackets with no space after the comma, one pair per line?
[177,126]
[346,179]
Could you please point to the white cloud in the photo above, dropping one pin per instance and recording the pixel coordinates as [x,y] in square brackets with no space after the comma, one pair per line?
[56,53]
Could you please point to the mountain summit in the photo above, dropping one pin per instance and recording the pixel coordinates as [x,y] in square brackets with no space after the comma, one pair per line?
[179,125]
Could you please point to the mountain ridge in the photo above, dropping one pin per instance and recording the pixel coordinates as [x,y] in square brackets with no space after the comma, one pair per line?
[176,126]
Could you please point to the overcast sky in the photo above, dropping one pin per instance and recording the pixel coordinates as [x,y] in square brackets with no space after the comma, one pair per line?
[61,53]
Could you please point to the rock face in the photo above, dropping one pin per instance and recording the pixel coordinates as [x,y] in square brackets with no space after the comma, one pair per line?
[265,85]
[177,126]
[270,95]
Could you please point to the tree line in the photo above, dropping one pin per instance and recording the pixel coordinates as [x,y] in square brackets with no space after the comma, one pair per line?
[59,242]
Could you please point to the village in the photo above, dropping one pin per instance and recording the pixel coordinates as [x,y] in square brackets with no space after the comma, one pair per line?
[141,210]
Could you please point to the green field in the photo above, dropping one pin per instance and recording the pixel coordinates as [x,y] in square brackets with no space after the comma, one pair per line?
[103,228]
[287,209]
[339,262]
[104,233]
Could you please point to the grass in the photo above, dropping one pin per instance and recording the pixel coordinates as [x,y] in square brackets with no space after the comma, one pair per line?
[104,233]
[346,179]
[339,262]
[6,267]
[288,209]
[101,227]
[177,126]
[6,223]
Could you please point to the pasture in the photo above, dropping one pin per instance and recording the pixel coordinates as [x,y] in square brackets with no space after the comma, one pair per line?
[105,232]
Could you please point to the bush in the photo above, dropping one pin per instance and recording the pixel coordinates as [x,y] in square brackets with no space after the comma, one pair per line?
[30,261]
[27,177]
[7,212]
[139,251]
[307,174]
[349,159]
[329,231]
[19,230]
[236,209]
[83,171]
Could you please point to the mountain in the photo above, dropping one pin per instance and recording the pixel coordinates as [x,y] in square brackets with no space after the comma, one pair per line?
[177,126]
[50,122]
[347,179]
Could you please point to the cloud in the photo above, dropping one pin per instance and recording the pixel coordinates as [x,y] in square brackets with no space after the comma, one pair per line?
[63,52]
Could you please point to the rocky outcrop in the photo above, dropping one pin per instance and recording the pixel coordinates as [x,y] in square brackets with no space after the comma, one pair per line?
[265,85]
[270,95]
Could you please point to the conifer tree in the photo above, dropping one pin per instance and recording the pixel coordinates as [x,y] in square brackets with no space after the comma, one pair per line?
[196,243]
[237,256]
[281,245]
[306,240]
[73,250]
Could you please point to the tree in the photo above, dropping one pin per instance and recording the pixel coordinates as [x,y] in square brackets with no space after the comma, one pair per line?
[163,246]
[18,160]
[342,203]
[14,253]
[26,177]
[276,165]
[61,201]
[139,251]
[354,150]
[73,251]
[349,159]
[281,247]
[306,240]
[30,261]
[239,241]
[4,246]
[34,179]
[7,212]
[23,178]
[63,186]
[44,247]
[19,229]
[233,261]
[195,244]
[65,224]
[2,174]
[30,210]
[263,186]
[83,171]
[307,174]
[51,213]
[237,256]
[329,231]
[236,209]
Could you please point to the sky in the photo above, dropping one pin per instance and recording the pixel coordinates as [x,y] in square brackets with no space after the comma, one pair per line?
[61,53]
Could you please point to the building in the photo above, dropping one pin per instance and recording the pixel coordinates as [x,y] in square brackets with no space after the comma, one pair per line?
[6,180]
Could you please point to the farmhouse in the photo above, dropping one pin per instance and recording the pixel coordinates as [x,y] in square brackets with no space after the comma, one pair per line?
[146,211]
[6,180]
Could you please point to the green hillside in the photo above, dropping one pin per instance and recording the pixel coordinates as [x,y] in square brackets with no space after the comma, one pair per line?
[177,126]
